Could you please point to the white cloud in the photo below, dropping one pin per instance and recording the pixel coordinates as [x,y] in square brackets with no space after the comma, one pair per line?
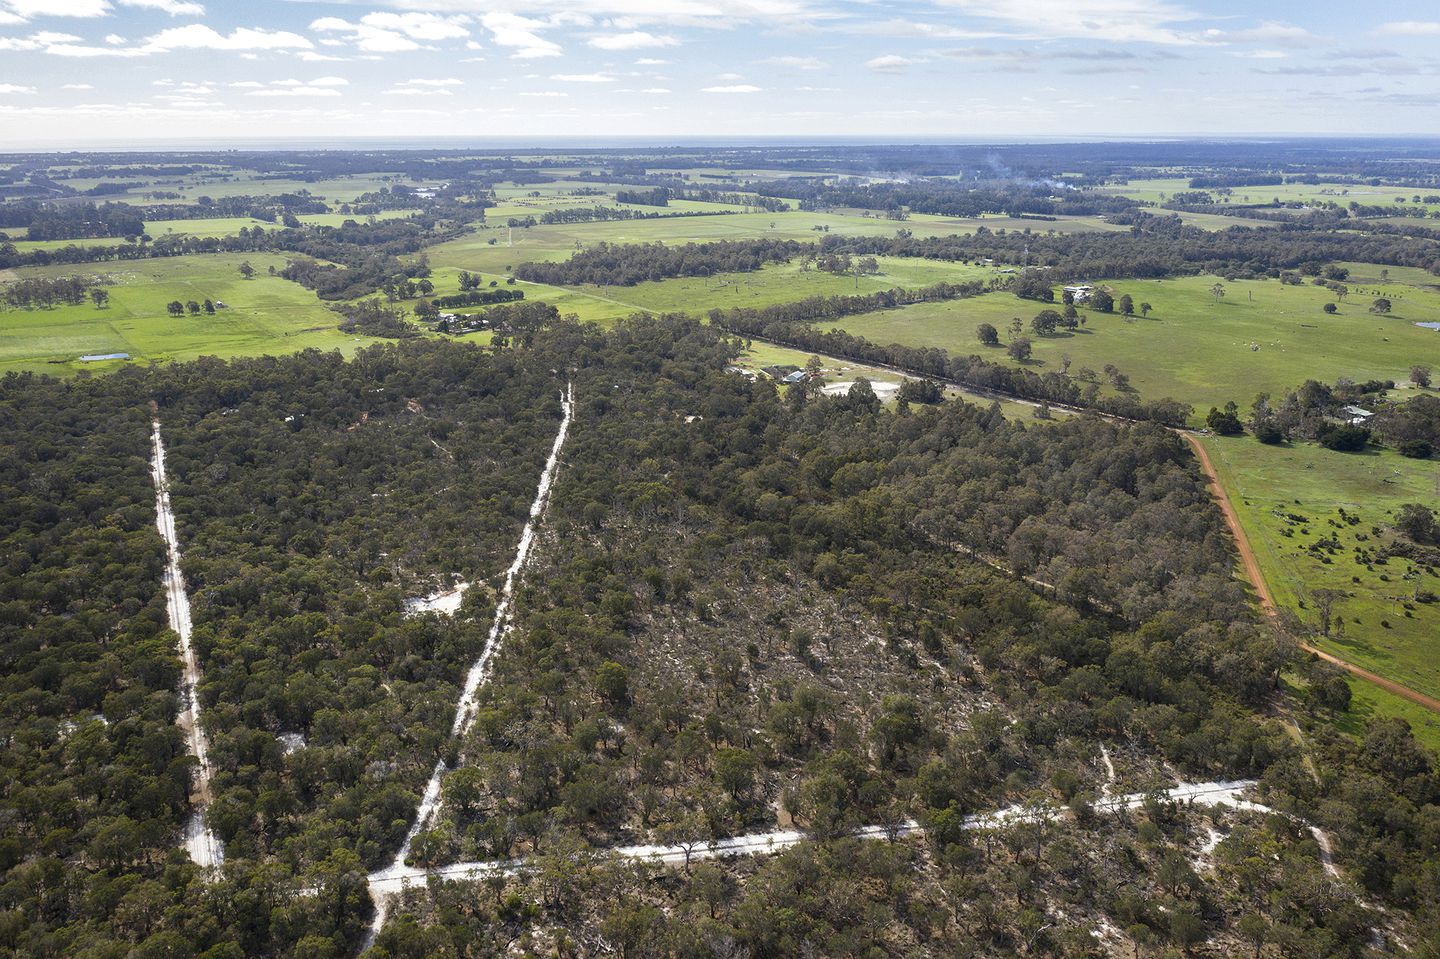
[732,88]
[650,62]
[544,93]
[310,56]
[654,90]
[796,63]
[582,78]
[301,91]
[28,9]
[419,26]
[8,19]
[76,86]
[1149,21]
[176,8]
[891,63]
[115,39]
[510,30]
[247,84]
[446,82]
[1409,28]
[635,40]
[8,88]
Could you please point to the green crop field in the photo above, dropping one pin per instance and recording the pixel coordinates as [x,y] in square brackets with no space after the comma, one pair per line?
[1290,497]
[1262,336]
[264,315]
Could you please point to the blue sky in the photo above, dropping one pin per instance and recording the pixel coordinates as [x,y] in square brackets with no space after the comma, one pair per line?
[84,72]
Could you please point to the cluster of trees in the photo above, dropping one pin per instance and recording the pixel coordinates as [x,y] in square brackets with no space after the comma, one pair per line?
[946,197]
[1316,411]
[374,317]
[193,307]
[1161,246]
[478,297]
[520,321]
[631,263]
[73,221]
[44,292]
[660,196]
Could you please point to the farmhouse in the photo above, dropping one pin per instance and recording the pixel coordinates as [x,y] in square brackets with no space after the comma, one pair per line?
[1355,415]
[1080,293]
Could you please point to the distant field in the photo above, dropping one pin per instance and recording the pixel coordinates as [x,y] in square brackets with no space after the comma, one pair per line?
[1159,189]
[206,227]
[265,315]
[1268,485]
[1192,348]
[780,283]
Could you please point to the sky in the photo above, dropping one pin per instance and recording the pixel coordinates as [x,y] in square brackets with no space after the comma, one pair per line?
[94,72]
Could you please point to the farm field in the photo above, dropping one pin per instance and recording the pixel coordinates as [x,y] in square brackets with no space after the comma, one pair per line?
[1157,189]
[207,227]
[265,315]
[1290,497]
[1262,336]
[778,283]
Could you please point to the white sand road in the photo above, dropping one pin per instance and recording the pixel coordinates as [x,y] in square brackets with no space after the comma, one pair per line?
[202,844]
[480,670]
[395,879]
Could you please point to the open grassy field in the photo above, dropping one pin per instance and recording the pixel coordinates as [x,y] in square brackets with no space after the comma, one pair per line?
[779,283]
[761,355]
[205,227]
[1161,188]
[1290,498]
[264,315]
[1262,336]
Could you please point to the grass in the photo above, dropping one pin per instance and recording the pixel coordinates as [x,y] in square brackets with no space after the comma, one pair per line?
[265,315]
[1151,190]
[1262,337]
[205,227]
[1271,486]
[1369,702]
[779,283]
[760,355]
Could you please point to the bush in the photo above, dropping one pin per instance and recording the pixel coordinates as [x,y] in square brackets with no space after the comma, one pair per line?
[1345,439]
[1417,449]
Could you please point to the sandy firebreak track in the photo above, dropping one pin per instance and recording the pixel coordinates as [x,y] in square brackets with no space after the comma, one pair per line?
[480,670]
[202,844]
[1262,591]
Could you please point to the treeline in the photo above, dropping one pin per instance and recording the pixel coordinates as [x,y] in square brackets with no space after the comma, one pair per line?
[659,196]
[626,264]
[72,221]
[1161,247]
[792,324]
[947,197]
[592,214]
[45,292]
[477,298]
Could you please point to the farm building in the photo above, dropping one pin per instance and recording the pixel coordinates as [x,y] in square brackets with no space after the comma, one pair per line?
[1080,293]
[1355,415]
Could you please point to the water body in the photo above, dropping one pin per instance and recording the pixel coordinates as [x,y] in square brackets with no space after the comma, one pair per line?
[202,844]
[479,671]
[1430,326]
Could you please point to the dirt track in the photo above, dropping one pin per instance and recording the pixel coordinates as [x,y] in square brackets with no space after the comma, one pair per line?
[1262,591]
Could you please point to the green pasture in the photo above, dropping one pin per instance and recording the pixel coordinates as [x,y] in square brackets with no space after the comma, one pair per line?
[1289,497]
[1262,336]
[1159,189]
[265,315]
[757,356]
[206,227]
[778,283]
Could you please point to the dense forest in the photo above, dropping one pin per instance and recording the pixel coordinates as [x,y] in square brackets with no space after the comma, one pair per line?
[745,608]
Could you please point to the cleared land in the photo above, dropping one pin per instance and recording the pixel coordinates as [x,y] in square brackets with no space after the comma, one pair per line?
[1289,500]
[1263,336]
[263,315]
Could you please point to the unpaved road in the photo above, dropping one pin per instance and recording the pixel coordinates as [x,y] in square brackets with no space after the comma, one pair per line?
[480,670]
[203,845]
[1262,591]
